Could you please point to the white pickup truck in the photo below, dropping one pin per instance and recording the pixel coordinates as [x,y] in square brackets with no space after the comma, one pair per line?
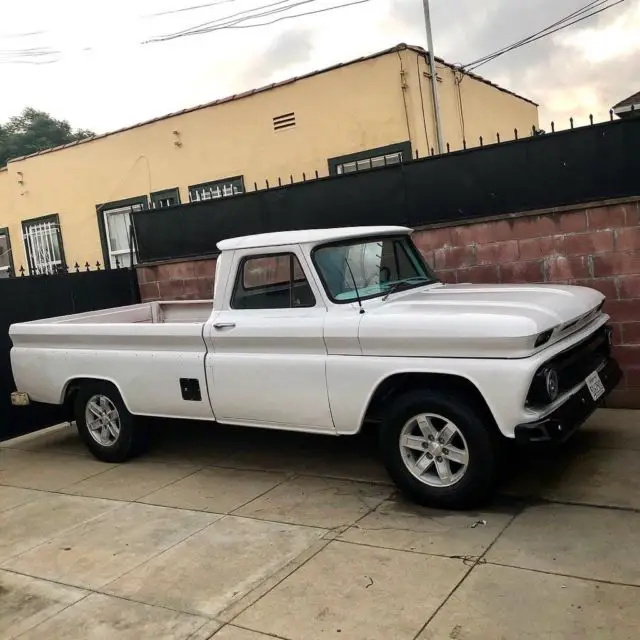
[325,331]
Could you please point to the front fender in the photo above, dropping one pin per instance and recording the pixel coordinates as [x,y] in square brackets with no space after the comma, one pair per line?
[353,381]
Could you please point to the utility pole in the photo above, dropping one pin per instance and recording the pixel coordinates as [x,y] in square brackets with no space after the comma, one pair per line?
[434,77]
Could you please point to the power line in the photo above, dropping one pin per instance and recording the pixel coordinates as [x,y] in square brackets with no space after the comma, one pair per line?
[184,9]
[298,15]
[33,55]
[587,7]
[22,35]
[559,25]
[235,20]
[46,55]
[201,28]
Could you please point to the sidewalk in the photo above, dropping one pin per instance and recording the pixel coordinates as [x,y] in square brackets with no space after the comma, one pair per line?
[247,535]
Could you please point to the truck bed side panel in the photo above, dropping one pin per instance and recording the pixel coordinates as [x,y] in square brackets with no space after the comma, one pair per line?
[145,362]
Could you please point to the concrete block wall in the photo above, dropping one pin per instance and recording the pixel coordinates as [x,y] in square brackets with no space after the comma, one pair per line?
[177,280]
[596,246]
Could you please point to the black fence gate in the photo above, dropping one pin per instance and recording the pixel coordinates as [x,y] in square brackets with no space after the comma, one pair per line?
[36,297]
[594,162]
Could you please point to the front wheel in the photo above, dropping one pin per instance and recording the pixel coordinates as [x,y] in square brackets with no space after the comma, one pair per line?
[107,428]
[438,450]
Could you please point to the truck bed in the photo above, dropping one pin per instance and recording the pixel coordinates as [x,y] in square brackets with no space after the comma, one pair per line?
[191,311]
[145,348]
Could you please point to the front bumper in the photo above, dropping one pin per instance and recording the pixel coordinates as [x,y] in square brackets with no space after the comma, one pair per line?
[561,423]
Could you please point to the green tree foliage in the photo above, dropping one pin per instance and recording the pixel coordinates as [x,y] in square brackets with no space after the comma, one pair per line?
[34,131]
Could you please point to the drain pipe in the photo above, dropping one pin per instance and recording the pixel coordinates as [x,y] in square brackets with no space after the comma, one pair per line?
[434,76]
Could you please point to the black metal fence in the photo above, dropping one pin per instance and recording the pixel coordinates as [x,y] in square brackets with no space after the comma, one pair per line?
[35,297]
[593,162]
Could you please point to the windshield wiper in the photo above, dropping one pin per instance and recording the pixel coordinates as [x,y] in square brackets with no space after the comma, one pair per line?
[396,286]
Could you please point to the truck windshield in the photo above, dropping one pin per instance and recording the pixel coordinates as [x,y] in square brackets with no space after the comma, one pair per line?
[368,268]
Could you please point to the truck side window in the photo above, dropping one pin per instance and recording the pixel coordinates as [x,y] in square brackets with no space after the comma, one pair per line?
[272,282]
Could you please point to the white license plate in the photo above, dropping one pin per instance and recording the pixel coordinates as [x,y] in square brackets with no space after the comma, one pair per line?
[595,386]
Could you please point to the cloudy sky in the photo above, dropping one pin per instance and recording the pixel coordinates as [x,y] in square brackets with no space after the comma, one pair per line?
[95,70]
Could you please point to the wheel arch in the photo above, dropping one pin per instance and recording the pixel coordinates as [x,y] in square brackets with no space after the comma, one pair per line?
[398,383]
[72,386]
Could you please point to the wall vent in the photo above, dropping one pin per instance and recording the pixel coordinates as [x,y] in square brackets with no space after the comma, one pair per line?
[285,121]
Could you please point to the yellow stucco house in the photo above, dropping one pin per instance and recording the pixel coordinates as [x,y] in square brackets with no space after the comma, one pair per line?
[73,203]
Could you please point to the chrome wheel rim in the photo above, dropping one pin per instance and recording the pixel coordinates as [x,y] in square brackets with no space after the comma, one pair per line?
[103,420]
[434,450]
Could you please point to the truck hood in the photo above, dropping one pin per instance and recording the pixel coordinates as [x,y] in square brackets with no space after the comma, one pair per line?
[475,320]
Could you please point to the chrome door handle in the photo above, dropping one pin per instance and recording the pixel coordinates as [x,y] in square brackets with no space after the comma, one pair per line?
[224,325]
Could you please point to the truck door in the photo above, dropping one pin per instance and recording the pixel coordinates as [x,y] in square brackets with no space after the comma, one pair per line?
[267,362]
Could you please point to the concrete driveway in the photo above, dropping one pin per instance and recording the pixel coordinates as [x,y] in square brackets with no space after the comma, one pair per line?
[249,535]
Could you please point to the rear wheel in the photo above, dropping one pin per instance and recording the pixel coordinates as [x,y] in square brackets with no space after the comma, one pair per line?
[438,450]
[107,428]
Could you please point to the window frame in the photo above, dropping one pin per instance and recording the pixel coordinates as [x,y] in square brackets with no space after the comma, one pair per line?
[217,183]
[10,268]
[102,229]
[400,147]
[239,279]
[25,224]
[415,253]
[155,196]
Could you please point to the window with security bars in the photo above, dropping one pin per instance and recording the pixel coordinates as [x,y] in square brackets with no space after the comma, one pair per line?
[6,261]
[369,163]
[371,159]
[43,245]
[217,189]
[117,226]
[166,198]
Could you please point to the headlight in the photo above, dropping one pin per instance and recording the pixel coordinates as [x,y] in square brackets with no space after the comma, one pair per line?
[551,384]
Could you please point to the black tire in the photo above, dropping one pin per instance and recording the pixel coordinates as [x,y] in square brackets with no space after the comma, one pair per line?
[476,482]
[132,438]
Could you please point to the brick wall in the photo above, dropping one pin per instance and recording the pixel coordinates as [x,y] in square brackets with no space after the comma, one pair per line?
[192,280]
[596,246]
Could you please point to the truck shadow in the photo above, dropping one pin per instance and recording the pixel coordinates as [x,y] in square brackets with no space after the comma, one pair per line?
[529,474]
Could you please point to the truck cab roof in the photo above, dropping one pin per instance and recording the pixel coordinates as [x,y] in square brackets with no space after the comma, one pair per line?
[308,236]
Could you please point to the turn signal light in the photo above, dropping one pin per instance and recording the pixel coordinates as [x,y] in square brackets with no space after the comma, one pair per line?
[543,338]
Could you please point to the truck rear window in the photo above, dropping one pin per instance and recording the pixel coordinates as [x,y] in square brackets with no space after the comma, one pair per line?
[272,282]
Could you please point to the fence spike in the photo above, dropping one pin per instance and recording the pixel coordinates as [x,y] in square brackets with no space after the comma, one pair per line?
[22,271]
[633,108]
[97,265]
[515,133]
[279,181]
[117,263]
[481,142]
[304,176]
[417,155]
[433,153]
[87,266]
[571,122]
[291,178]
[591,118]
[533,129]
[611,114]
[255,186]
[317,176]
[464,143]
[498,136]
[448,148]
[553,127]
[267,183]
[76,267]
